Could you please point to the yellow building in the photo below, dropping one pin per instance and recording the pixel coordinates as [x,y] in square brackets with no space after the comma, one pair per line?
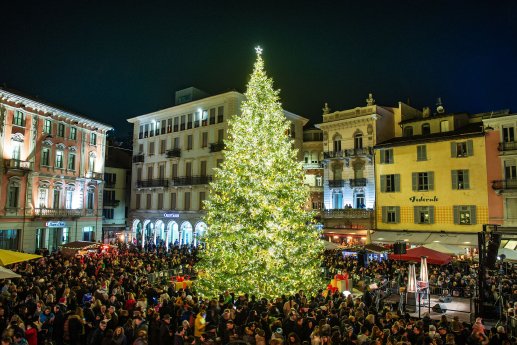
[431,182]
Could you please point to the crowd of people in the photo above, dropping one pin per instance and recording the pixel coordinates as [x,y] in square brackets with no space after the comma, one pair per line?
[108,299]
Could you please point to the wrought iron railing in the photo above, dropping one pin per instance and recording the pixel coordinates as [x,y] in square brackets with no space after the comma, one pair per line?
[347,213]
[357,182]
[504,184]
[336,183]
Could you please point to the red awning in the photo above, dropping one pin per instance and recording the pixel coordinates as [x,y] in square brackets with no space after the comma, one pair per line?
[433,257]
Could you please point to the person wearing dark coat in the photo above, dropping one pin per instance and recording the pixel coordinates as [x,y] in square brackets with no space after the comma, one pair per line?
[58,330]
[165,337]
[97,334]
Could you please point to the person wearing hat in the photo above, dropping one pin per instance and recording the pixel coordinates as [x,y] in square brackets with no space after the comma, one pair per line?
[165,336]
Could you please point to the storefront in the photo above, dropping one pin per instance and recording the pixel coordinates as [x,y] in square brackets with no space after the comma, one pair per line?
[10,239]
[55,234]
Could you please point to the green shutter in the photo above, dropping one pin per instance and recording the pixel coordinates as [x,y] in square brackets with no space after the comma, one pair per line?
[384,214]
[397,214]
[470,148]
[383,183]
[473,219]
[430,179]
[454,176]
[397,182]
[456,214]
[391,156]
[416,214]
[431,214]
[415,180]
[466,181]
[383,156]
[454,153]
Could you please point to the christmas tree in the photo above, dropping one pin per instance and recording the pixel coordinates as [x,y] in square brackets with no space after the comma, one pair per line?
[259,240]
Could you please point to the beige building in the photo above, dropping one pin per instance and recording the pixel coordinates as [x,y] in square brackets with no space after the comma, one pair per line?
[174,153]
[313,167]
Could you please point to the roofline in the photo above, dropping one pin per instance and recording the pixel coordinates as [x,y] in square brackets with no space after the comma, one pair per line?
[38,105]
[412,140]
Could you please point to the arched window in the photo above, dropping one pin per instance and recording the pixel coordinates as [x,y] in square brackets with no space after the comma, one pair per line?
[408,131]
[426,129]
[358,140]
[337,143]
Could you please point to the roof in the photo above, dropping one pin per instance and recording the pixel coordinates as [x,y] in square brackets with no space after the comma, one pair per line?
[47,107]
[470,130]
[431,117]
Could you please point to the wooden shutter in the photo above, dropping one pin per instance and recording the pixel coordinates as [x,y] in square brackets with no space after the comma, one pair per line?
[431,214]
[473,219]
[397,214]
[454,152]
[416,213]
[383,183]
[383,156]
[391,156]
[415,181]
[466,180]
[454,178]
[430,180]
[384,214]
[456,214]
[397,182]
[470,148]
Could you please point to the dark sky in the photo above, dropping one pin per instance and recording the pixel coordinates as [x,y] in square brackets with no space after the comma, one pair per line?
[112,60]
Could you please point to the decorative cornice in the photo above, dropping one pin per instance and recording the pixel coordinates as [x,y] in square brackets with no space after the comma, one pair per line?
[60,146]
[44,184]
[17,137]
[72,148]
[47,142]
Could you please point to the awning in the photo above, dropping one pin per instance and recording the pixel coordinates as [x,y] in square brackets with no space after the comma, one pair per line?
[344,232]
[414,237]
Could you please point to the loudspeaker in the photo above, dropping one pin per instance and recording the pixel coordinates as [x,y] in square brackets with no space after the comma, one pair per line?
[399,248]
[440,308]
[491,250]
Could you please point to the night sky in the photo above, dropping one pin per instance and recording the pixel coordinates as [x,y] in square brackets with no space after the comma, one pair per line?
[112,60]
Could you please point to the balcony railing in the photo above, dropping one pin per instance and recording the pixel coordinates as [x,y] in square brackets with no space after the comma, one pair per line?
[362,151]
[58,212]
[110,203]
[190,180]
[312,166]
[216,147]
[16,164]
[334,154]
[138,158]
[336,183]
[154,183]
[504,184]
[357,182]
[357,213]
[94,175]
[507,146]
[174,153]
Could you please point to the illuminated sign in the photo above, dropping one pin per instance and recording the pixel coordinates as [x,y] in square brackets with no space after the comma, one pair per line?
[55,224]
[171,215]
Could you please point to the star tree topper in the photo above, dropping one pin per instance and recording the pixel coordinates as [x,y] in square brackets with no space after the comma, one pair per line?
[258,50]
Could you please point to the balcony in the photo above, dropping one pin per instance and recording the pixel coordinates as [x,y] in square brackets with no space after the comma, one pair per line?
[308,166]
[336,183]
[174,153]
[94,175]
[216,147]
[110,203]
[138,158]
[504,184]
[154,183]
[357,182]
[57,212]
[507,146]
[16,164]
[190,180]
[334,154]
[361,151]
[351,213]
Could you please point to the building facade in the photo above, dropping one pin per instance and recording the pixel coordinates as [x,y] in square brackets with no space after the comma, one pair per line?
[51,179]
[431,181]
[313,167]
[117,195]
[174,154]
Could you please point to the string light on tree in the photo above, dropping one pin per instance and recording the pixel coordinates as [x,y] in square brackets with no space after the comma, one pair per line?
[260,240]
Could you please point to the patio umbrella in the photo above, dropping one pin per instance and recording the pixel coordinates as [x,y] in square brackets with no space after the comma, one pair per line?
[411,283]
[8,257]
[7,273]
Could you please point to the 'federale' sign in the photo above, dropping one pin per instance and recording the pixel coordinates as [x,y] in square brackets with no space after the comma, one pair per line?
[171,215]
[422,199]
[56,224]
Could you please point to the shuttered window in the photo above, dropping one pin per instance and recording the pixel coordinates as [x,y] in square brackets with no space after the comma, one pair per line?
[460,179]
[464,214]
[391,214]
[421,153]
[424,214]
[462,149]
[390,183]
[423,181]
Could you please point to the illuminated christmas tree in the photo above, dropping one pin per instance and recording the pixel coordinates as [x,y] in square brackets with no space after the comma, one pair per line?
[259,240]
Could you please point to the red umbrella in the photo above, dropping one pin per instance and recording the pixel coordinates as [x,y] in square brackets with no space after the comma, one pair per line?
[415,254]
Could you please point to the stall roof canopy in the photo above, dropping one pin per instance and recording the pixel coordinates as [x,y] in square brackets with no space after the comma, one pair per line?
[80,245]
[415,254]
[464,240]
[371,247]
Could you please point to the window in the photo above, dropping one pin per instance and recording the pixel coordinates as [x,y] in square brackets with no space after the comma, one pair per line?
[197,118]
[337,200]
[151,148]
[59,159]
[56,201]
[424,214]
[138,201]
[462,149]
[148,201]
[73,133]
[219,162]
[47,126]
[139,174]
[164,126]
[45,157]
[460,179]
[187,201]
[42,197]
[16,154]
[189,142]
[141,132]
[202,168]
[337,143]
[160,201]
[444,126]
[189,121]
[176,143]
[220,135]
[188,169]
[88,234]
[61,130]
[163,145]
[423,181]
[93,139]
[510,170]
[13,195]
[69,197]
[386,156]
[204,139]
[391,214]
[508,134]
[212,116]
[146,130]
[91,163]
[359,200]
[71,161]
[173,201]
[89,200]
[174,170]
[408,131]
[108,213]
[421,153]
[220,114]
[390,183]
[182,125]
[426,129]
[176,124]
[19,118]
[319,181]
[464,215]
[150,172]
[358,141]
[169,126]
[202,197]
